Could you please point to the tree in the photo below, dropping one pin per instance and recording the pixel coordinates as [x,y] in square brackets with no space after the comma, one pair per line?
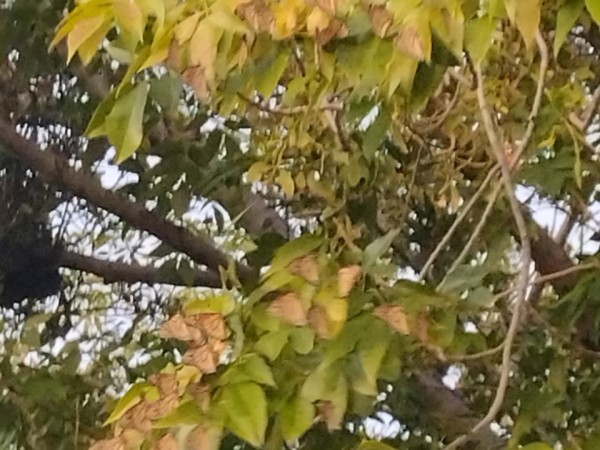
[323,206]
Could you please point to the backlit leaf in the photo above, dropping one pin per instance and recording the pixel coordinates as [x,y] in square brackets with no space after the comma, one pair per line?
[296,418]
[566,18]
[246,408]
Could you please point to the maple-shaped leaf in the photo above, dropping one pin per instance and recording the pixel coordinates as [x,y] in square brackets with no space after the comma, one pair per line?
[306,267]
[289,308]
[176,328]
[202,357]
[347,278]
[319,321]
[167,442]
[395,316]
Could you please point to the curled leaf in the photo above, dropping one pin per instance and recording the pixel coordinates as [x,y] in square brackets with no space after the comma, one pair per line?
[212,324]
[167,442]
[203,357]
[395,316]
[306,267]
[319,322]
[177,328]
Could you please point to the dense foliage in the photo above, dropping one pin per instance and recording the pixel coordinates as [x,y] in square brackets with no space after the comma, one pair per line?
[299,224]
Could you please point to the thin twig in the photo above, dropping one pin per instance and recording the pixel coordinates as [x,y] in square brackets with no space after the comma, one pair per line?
[590,111]
[490,352]
[552,276]
[523,279]
[442,244]
[478,229]
[291,110]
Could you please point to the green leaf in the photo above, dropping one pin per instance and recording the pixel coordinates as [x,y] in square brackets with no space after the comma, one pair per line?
[374,445]
[124,124]
[270,76]
[302,340]
[462,278]
[293,250]
[478,37]
[166,91]
[223,304]
[250,367]
[376,133]
[566,18]
[296,418]
[272,343]
[593,7]
[188,413]
[537,446]
[128,401]
[377,249]
[526,14]
[246,408]
[372,349]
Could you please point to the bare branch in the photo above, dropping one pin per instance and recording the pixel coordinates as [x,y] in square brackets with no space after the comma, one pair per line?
[114,272]
[56,171]
[526,253]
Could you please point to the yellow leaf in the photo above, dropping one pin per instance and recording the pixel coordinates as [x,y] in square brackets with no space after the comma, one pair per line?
[286,19]
[90,47]
[317,21]
[154,8]
[84,30]
[528,16]
[285,180]
[257,170]
[159,51]
[130,18]
[185,29]
[202,50]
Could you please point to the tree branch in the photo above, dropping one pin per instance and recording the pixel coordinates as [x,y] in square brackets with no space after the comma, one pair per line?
[55,170]
[115,272]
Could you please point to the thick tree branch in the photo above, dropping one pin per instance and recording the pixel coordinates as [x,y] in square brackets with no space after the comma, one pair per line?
[114,272]
[55,170]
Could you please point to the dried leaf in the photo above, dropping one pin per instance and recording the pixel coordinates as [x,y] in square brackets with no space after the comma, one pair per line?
[201,394]
[289,308]
[204,437]
[115,443]
[167,442]
[137,417]
[319,322]
[329,6]
[381,19]
[327,415]
[132,438]
[410,41]
[175,57]
[395,316]
[212,324]
[347,278]
[162,407]
[176,328]
[194,76]
[257,15]
[420,328]
[306,267]
[165,382]
[203,358]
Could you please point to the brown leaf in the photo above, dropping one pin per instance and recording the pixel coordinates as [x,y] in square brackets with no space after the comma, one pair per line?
[202,357]
[137,417]
[176,328]
[381,19]
[420,328]
[165,382]
[115,443]
[289,308]
[306,267]
[194,76]
[336,29]
[347,278]
[410,41]
[319,321]
[395,316]
[257,15]
[167,442]
[162,407]
[326,411]
[204,437]
[212,324]
[175,57]
[201,394]
[132,438]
